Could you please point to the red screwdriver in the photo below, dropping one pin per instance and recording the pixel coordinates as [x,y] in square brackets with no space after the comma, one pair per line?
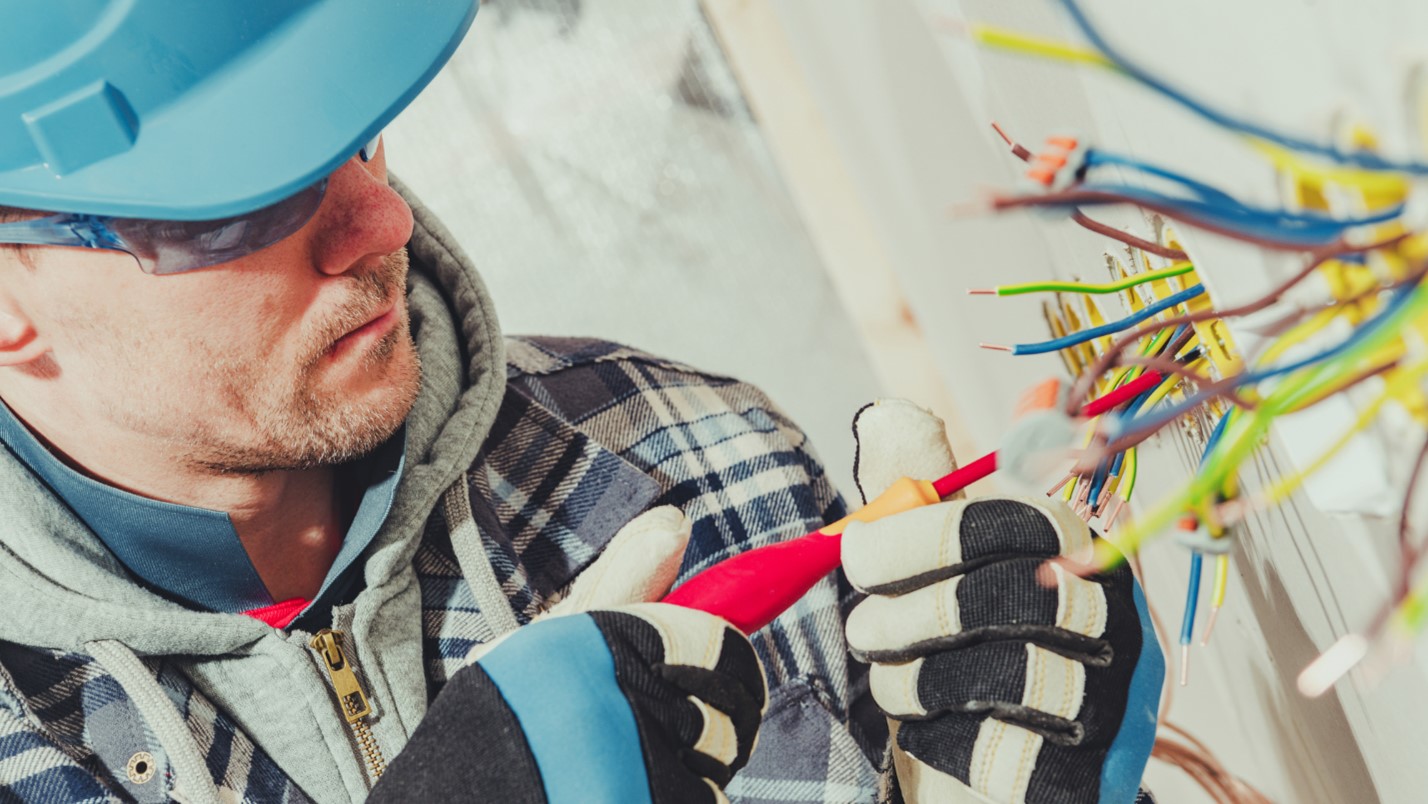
[751,589]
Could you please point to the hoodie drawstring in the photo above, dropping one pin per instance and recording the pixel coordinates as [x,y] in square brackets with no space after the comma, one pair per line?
[192,780]
[475,562]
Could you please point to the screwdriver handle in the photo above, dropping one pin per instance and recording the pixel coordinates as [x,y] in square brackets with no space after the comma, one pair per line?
[752,588]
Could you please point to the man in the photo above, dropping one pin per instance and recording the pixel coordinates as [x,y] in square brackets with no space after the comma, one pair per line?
[284,518]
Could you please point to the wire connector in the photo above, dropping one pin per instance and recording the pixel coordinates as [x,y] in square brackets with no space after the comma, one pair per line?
[1060,164]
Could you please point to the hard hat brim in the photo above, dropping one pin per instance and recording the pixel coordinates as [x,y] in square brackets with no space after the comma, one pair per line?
[270,126]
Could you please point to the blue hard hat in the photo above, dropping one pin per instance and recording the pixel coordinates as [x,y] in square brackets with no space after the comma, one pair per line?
[177,110]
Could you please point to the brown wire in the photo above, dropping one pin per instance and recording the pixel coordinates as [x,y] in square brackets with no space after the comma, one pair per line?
[1107,359]
[1086,222]
[1220,388]
[1366,374]
[1076,197]
[1205,769]
[1089,223]
[1165,365]
[1410,550]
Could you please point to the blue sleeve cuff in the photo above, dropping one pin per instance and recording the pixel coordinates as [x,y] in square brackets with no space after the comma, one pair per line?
[1130,751]
[558,677]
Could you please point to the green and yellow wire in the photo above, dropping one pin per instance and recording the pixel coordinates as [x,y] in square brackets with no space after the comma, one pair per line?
[1101,288]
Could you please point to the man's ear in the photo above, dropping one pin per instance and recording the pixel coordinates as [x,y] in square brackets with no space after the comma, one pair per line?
[20,342]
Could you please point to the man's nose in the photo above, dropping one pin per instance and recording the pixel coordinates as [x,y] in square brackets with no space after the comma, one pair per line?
[362,219]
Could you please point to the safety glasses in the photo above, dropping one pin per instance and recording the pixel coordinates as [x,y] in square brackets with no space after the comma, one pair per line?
[171,247]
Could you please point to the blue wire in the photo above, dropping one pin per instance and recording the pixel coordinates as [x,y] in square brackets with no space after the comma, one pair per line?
[1192,598]
[1093,333]
[1211,194]
[1304,229]
[1197,559]
[1400,297]
[1215,436]
[1104,472]
[1312,221]
[1098,480]
[1362,159]
[1095,157]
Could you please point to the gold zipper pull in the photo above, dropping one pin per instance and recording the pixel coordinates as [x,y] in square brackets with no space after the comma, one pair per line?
[344,681]
[355,708]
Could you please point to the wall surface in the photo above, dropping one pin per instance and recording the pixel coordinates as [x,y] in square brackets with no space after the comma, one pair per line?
[599,164]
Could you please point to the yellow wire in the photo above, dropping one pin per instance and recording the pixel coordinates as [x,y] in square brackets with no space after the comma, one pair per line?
[1282,158]
[1018,42]
[1129,469]
[1222,580]
[1401,379]
[1366,180]
[1384,358]
[1164,389]
[1298,334]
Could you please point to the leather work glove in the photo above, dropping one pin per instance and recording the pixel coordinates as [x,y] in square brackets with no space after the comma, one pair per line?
[998,688]
[639,565]
[633,702]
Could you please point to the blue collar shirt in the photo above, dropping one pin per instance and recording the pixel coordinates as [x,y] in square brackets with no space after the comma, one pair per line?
[193,555]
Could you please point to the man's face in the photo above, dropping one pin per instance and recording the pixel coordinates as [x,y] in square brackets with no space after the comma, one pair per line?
[294,356]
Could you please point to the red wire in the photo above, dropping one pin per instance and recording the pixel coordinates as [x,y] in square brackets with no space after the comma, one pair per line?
[966,475]
[1123,394]
[987,464]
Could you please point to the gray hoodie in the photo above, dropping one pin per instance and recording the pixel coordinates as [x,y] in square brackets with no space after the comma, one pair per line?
[61,589]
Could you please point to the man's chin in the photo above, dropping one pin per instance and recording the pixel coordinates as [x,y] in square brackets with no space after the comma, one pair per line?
[332,425]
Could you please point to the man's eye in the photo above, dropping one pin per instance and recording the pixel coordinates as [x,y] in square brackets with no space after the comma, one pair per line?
[369,151]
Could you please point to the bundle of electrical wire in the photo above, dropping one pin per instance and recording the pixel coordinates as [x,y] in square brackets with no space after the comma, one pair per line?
[1385,306]
[1114,58]
[1199,205]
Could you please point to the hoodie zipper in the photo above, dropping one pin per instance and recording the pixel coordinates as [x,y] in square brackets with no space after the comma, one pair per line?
[350,695]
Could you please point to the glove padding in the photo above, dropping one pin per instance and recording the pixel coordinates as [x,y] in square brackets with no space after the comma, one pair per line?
[1000,688]
[644,703]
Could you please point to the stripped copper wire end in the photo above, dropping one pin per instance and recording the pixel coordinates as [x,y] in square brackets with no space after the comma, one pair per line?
[1115,512]
[1018,150]
[1210,626]
[1060,484]
[995,347]
[981,291]
[1184,665]
[1103,496]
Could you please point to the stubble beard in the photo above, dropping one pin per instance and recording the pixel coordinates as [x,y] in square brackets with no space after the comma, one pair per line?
[301,425]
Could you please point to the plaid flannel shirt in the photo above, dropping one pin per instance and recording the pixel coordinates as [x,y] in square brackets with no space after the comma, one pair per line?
[589,434]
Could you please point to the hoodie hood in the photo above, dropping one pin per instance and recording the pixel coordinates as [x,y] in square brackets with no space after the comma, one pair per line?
[73,591]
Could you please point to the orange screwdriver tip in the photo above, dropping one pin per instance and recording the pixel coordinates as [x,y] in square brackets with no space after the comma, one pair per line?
[995,347]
